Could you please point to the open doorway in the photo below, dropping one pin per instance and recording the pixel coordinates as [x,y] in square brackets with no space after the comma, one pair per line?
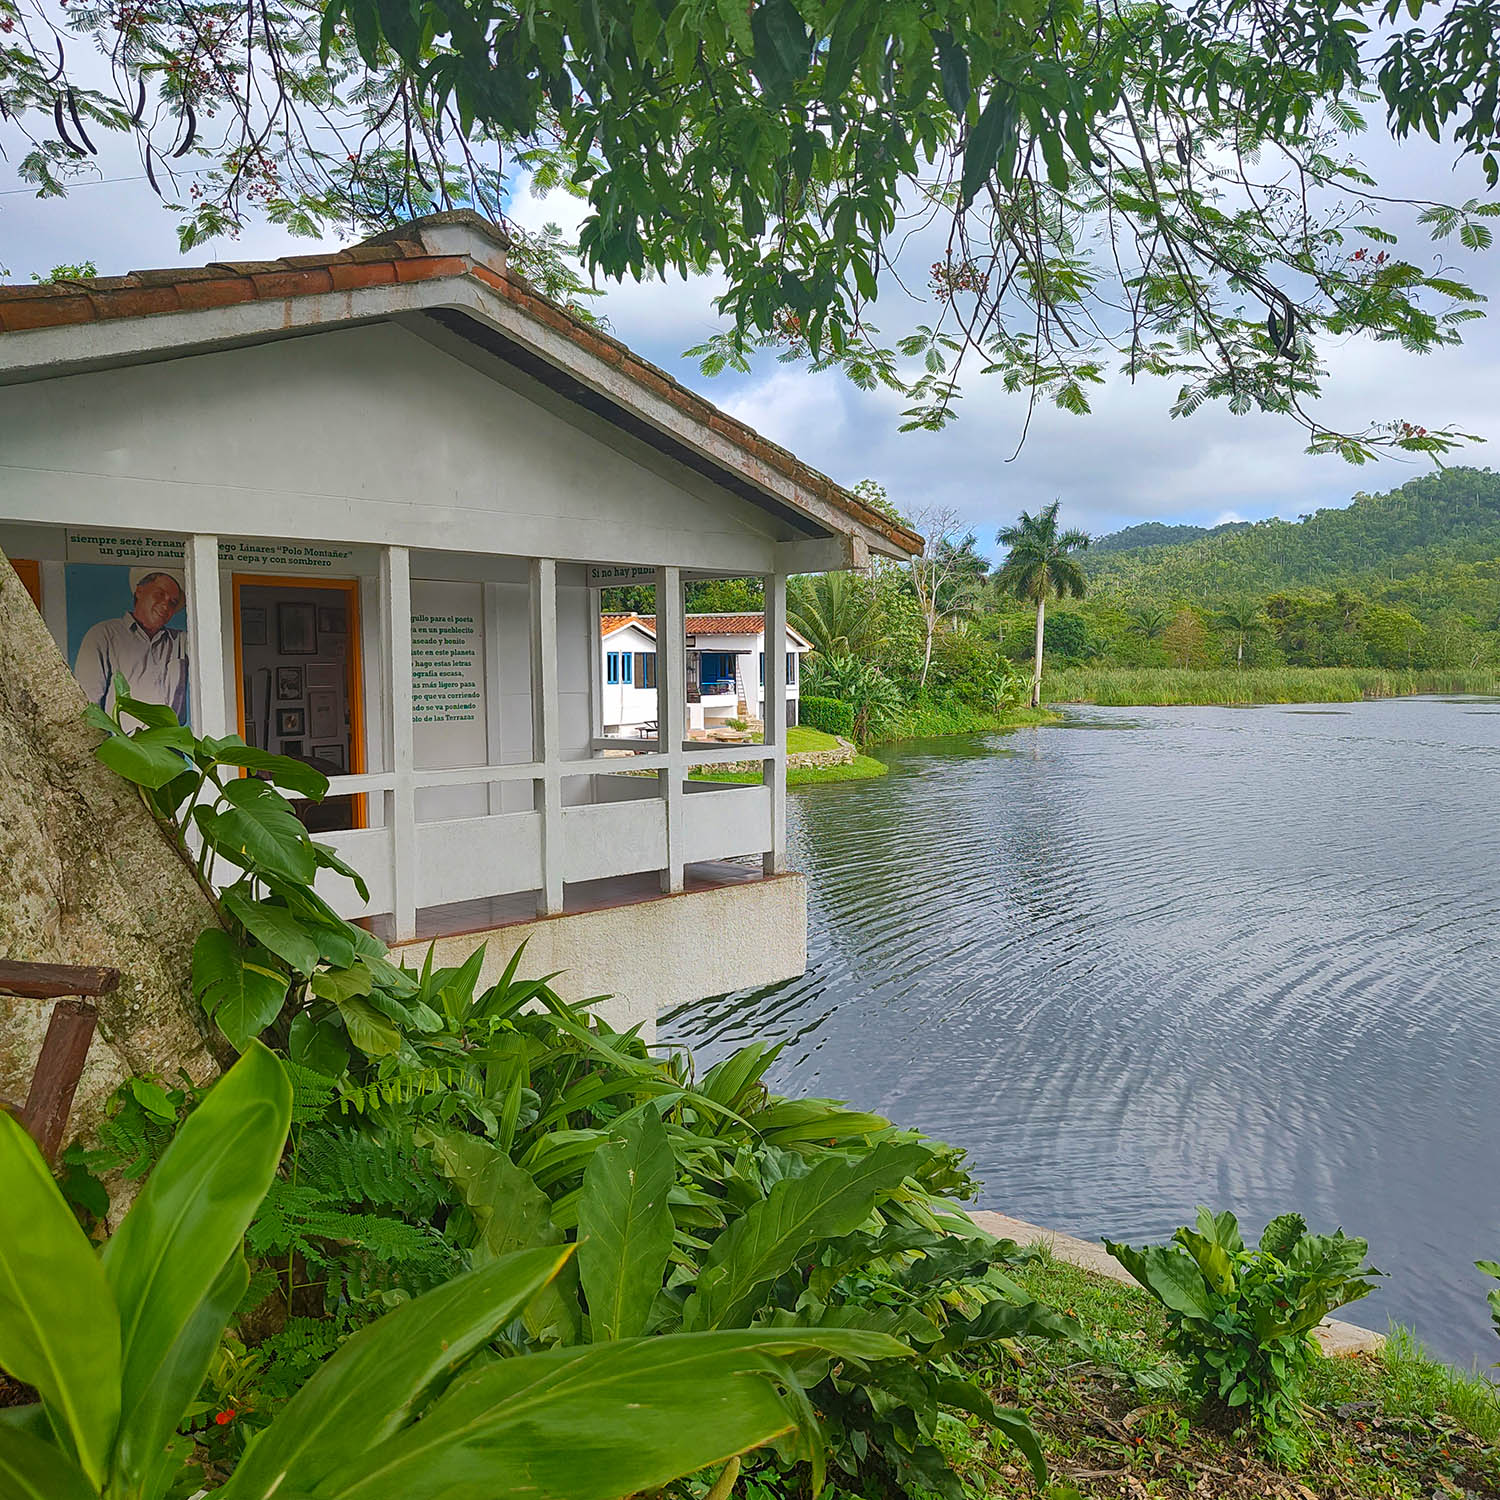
[296,647]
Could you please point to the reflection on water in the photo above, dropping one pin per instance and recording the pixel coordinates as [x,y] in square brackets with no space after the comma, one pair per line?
[1246,958]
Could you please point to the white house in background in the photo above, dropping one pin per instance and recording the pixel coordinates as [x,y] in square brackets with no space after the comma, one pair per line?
[726,670]
[389,483]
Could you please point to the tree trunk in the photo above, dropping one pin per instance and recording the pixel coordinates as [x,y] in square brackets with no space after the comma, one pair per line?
[1036,676]
[927,655]
[86,877]
[1239,653]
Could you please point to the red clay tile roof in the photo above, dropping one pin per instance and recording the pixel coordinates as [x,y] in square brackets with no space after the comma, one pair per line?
[398,256]
[699,625]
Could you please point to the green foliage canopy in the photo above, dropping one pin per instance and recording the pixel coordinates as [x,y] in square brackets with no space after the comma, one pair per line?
[1139,188]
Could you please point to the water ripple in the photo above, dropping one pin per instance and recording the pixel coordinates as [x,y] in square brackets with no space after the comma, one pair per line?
[1246,957]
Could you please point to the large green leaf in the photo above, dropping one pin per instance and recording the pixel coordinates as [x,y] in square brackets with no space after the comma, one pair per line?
[371,1388]
[833,1199]
[31,1469]
[1170,1275]
[151,758]
[601,1420]
[274,927]
[170,1252]
[242,996]
[296,775]
[143,1446]
[625,1226]
[512,1213]
[58,1328]
[260,836]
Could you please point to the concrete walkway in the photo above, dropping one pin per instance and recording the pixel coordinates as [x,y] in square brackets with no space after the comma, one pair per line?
[1334,1337]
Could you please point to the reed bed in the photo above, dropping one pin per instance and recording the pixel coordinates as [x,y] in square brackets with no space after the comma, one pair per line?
[1121,687]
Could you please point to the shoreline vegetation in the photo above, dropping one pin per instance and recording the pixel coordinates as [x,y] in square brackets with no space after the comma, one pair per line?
[1159,687]
[1395,1423]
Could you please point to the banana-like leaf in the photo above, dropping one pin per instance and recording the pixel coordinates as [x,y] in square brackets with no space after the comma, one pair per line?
[143,1441]
[967,1396]
[625,1226]
[370,1389]
[601,1420]
[31,1469]
[512,1213]
[835,1198]
[170,1252]
[59,1330]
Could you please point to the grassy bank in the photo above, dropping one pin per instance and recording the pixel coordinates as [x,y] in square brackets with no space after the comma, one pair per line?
[802,740]
[1394,1425]
[1160,686]
[922,721]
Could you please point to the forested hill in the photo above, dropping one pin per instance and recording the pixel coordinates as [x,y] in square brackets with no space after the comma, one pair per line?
[1439,524]
[1159,534]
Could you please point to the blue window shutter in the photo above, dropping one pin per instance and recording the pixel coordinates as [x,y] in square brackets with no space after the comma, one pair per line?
[612,668]
[626,670]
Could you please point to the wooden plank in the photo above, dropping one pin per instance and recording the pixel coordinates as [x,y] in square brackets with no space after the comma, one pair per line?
[52,981]
[58,1070]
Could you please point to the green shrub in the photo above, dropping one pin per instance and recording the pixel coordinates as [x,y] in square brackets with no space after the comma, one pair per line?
[827,714]
[1243,1319]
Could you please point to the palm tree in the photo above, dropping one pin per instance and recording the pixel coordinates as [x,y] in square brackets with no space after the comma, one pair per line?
[1149,622]
[1242,620]
[1038,564]
[833,611]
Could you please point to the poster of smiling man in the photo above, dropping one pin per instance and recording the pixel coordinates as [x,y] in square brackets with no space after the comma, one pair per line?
[129,621]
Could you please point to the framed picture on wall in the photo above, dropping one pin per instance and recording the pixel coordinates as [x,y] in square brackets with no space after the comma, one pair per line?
[292,748]
[297,628]
[331,619]
[321,675]
[288,684]
[322,713]
[290,721]
[252,627]
[333,754]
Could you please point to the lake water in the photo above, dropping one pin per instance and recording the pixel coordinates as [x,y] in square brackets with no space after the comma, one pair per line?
[1158,957]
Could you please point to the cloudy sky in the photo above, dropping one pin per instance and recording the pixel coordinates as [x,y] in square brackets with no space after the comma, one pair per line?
[1127,462]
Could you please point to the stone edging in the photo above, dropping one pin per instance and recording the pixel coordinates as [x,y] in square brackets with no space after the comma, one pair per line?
[843,756]
[1333,1336]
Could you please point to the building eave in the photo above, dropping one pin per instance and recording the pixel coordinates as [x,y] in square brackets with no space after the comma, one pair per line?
[450,268]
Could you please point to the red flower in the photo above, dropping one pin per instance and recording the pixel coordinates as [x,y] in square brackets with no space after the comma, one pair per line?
[225,1417]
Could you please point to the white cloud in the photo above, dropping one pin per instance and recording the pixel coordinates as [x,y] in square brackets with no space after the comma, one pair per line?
[1228,517]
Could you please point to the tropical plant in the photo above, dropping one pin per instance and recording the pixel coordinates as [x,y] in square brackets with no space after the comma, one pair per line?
[1039,563]
[1149,622]
[117,1343]
[1243,620]
[485,1127]
[1492,1268]
[1243,1319]
[833,612]
[873,697]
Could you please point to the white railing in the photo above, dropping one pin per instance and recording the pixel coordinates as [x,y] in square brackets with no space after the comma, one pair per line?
[411,864]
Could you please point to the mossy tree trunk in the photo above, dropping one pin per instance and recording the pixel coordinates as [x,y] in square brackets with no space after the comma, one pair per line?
[86,877]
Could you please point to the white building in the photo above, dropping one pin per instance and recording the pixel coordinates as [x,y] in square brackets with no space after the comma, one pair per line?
[391,482]
[726,670]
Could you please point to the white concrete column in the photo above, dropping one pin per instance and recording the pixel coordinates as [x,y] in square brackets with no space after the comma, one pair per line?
[395,621]
[596,665]
[207,681]
[546,729]
[773,716]
[671,715]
